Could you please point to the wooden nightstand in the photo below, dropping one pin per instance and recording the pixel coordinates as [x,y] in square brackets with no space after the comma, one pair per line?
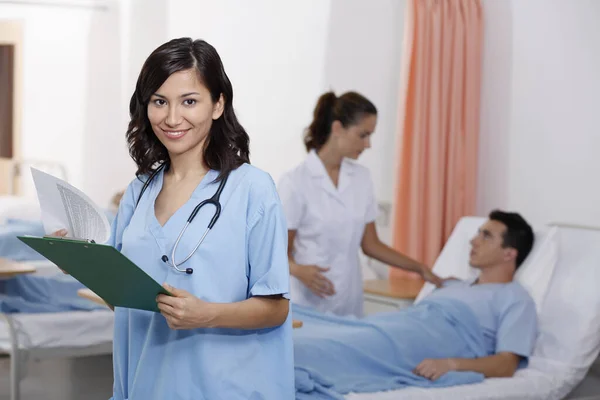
[383,295]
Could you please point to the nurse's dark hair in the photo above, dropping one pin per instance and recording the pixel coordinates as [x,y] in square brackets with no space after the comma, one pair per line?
[349,109]
[518,235]
[227,145]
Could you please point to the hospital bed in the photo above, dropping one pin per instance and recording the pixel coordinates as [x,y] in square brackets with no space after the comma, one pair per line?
[562,275]
[67,334]
[25,336]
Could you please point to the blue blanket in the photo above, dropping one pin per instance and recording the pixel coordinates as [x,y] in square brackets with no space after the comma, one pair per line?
[11,247]
[43,294]
[338,355]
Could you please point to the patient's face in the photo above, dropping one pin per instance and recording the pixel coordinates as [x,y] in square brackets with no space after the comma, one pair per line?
[486,246]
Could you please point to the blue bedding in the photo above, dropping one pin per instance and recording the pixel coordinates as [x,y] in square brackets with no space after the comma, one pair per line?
[43,294]
[11,247]
[338,355]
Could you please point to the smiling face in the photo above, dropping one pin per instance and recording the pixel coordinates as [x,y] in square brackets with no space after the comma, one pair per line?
[354,139]
[487,246]
[181,112]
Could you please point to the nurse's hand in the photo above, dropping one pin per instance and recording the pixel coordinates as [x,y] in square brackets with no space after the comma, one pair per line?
[312,277]
[183,310]
[429,276]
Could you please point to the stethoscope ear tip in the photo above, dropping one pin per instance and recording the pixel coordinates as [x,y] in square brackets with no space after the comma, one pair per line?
[189,271]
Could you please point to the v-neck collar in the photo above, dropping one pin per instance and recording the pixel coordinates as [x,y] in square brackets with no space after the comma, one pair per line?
[157,186]
[318,171]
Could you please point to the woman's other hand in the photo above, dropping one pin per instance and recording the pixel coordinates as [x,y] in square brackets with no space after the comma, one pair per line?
[60,233]
[312,277]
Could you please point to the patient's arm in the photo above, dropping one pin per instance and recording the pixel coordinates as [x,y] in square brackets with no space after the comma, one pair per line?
[501,365]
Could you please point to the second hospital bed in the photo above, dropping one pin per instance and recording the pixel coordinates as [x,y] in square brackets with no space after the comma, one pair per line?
[27,336]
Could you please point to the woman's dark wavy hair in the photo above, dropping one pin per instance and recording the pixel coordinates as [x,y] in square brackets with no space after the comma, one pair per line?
[349,108]
[227,145]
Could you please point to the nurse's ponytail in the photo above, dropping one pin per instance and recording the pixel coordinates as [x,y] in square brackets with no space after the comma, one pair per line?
[349,108]
[318,132]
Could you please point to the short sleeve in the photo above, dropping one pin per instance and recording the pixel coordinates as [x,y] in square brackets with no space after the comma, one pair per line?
[371,212]
[292,202]
[124,214]
[267,249]
[517,327]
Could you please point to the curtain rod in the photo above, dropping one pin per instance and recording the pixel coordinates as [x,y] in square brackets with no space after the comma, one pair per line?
[60,4]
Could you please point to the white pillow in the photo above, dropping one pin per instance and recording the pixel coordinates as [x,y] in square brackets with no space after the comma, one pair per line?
[570,318]
[534,274]
[17,207]
[537,270]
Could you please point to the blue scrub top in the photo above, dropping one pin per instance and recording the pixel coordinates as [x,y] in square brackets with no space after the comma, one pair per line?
[505,311]
[244,255]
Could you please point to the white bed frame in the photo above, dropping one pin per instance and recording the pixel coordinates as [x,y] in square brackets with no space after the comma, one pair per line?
[19,356]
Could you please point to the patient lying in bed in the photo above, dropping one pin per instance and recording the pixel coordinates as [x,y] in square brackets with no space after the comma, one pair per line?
[459,334]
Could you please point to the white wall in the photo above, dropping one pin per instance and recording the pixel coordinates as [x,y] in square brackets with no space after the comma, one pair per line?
[364,51]
[71,92]
[119,43]
[106,166]
[54,78]
[549,146]
[274,54]
[496,100]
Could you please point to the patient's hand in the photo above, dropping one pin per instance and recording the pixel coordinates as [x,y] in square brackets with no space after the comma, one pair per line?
[434,369]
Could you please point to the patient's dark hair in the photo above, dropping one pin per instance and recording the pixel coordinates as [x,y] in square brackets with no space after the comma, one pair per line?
[518,235]
[227,145]
[349,108]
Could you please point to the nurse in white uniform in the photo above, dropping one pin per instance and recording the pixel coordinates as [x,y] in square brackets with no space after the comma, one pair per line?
[330,210]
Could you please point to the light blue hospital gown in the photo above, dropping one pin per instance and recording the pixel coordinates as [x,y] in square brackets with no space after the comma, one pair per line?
[244,255]
[506,313]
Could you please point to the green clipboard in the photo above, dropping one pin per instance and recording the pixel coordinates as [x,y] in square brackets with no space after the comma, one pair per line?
[101,268]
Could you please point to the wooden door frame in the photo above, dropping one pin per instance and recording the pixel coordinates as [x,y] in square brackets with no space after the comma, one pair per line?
[11,33]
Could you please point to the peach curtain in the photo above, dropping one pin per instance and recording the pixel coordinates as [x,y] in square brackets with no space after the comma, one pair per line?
[439,124]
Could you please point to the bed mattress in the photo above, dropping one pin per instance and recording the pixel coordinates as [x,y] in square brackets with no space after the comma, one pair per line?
[527,384]
[70,329]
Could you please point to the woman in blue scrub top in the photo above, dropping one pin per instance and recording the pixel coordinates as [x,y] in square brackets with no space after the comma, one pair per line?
[226,332]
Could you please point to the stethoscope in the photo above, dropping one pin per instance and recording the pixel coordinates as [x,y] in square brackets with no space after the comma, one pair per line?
[214,200]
